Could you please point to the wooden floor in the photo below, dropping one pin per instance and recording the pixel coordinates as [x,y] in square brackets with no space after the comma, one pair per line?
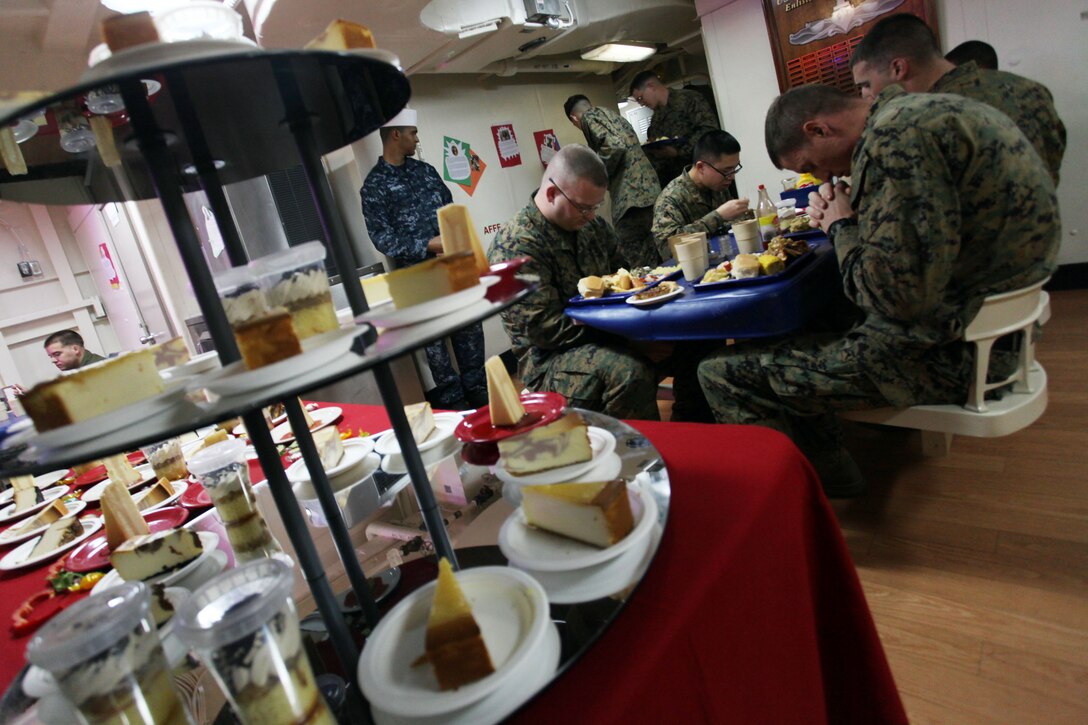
[976,565]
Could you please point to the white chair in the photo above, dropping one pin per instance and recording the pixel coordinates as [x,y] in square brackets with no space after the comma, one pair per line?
[1010,312]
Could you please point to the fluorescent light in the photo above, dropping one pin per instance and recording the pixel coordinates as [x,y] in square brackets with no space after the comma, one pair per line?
[620,52]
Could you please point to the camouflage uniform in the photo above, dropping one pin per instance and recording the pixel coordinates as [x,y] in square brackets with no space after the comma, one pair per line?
[592,369]
[684,208]
[1027,103]
[687,115]
[934,179]
[89,358]
[400,204]
[632,183]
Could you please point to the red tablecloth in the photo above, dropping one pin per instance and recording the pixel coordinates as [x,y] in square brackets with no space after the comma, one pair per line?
[751,611]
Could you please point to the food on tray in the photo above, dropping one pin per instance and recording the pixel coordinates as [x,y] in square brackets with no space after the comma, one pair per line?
[504,403]
[50,514]
[59,533]
[93,390]
[267,339]
[125,31]
[432,279]
[796,224]
[659,291]
[784,248]
[420,420]
[342,35]
[563,442]
[595,513]
[770,264]
[329,446]
[121,515]
[621,281]
[745,266]
[592,286]
[171,353]
[164,551]
[459,235]
[26,494]
[717,274]
[155,495]
[10,152]
[119,469]
[453,643]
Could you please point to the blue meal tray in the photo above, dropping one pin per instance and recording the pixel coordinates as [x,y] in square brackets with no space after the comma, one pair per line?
[804,235]
[663,143]
[791,268]
[614,297]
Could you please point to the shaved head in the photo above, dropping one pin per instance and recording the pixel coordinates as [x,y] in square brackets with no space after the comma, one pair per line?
[576,162]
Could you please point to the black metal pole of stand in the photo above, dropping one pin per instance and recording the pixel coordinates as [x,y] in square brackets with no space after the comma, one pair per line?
[164,171]
[301,127]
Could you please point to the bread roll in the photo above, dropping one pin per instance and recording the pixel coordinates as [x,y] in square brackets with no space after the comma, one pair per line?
[591,286]
[745,265]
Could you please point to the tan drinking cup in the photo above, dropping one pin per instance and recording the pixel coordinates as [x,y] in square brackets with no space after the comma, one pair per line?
[691,255]
[747,235]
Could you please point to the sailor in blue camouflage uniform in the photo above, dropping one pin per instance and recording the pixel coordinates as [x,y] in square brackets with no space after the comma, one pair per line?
[401,197]
[680,114]
[902,49]
[632,181]
[949,203]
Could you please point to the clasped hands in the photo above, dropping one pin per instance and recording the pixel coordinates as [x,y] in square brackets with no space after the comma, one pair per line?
[829,204]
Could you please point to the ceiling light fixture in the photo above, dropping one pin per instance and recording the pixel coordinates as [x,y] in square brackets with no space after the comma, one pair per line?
[620,52]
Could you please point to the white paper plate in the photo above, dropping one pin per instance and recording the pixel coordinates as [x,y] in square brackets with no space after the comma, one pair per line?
[17,557]
[655,300]
[607,468]
[94,493]
[13,536]
[355,451]
[386,443]
[195,365]
[387,316]
[319,350]
[153,55]
[208,539]
[601,441]
[49,495]
[139,412]
[531,548]
[323,417]
[43,481]
[512,612]
[179,488]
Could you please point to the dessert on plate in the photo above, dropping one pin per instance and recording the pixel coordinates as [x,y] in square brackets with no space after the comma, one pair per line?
[453,643]
[59,533]
[504,403]
[155,495]
[432,279]
[563,442]
[420,420]
[144,557]
[121,516]
[50,514]
[596,513]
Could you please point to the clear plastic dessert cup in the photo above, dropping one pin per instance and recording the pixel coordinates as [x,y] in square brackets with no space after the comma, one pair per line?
[295,279]
[106,657]
[224,473]
[240,292]
[166,459]
[243,626]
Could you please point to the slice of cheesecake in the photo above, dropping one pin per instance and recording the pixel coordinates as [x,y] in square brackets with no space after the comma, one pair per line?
[329,446]
[431,279]
[595,513]
[148,556]
[560,443]
[50,514]
[25,493]
[58,534]
[453,643]
[119,469]
[155,495]
[503,400]
[421,420]
[342,35]
[121,515]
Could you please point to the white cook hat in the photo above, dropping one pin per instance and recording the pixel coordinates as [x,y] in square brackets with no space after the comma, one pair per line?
[406,117]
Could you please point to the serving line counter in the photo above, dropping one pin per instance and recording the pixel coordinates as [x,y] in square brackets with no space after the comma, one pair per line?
[735,309]
[751,610]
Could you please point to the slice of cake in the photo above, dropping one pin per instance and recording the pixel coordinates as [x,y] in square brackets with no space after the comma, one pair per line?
[329,446]
[119,469]
[504,402]
[342,35]
[121,515]
[58,534]
[453,643]
[561,443]
[171,353]
[159,553]
[595,513]
[26,494]
[216,436]
[267,339]
[93,390]
[375,289]
[432,279]
[50,514]
[421,419]
[459,235]
[155,495]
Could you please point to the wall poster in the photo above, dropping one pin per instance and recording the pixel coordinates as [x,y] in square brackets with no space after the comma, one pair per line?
[547,145]
[461,165]
[506,144]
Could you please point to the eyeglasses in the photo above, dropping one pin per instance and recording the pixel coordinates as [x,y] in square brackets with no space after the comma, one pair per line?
[583,209]
[728,172]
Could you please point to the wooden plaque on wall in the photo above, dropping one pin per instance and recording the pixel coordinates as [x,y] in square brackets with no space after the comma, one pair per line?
[812,40]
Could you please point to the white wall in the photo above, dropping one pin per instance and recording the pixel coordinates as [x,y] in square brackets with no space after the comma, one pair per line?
[1043,41]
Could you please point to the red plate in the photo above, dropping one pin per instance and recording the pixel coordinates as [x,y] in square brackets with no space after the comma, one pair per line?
[98,473]
[94,555]
[195,497]
[540,409]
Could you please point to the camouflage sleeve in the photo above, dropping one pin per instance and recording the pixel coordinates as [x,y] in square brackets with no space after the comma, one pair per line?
[898,260]
[701,119]
[1051,132]
[669,221]
[606,144]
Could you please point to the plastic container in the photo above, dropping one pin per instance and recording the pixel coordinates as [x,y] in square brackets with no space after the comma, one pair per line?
[199,20]
[105,655]
[295,279]
[223,471]
[240,292]
[787,209]
[166,459]
[243,626]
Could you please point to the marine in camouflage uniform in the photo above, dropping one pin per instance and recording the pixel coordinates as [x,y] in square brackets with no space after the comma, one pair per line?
[686,115]
[1027,103]
[934,179]
[632,183]
[685,208]
[400,204]
[593,369]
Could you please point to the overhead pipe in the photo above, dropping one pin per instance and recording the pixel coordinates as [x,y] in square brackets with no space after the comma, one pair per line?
[508,68]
